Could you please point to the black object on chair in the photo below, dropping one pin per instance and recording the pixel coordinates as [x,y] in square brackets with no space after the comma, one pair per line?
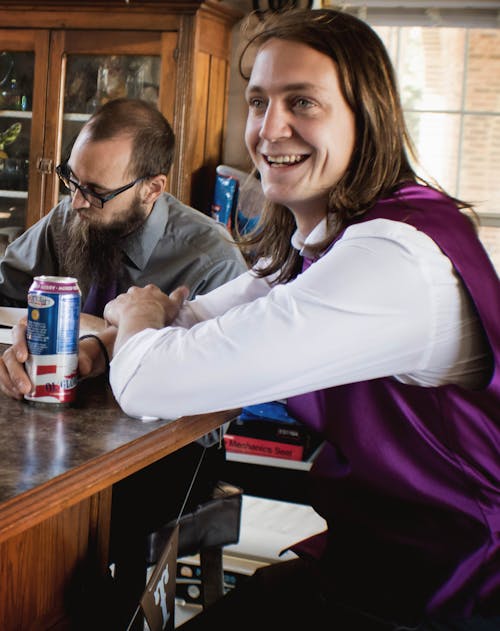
[205,530]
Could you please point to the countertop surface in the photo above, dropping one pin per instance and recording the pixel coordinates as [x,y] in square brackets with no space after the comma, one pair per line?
[41,441]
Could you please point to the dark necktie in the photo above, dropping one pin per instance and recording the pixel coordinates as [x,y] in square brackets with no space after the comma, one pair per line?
[98,297]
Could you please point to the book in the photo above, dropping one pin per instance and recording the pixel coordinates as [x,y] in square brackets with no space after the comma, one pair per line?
[260,447]
[271,423]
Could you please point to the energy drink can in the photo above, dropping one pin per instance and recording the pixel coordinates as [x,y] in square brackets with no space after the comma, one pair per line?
[52,338]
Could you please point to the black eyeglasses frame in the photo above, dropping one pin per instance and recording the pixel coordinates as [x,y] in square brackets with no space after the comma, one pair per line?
[85,190]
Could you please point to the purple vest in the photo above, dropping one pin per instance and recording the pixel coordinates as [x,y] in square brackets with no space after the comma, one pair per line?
[409,477]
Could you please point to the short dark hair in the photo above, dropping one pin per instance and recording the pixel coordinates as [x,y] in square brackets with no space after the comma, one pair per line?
[153,137]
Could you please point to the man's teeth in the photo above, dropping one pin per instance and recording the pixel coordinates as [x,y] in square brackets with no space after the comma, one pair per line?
[293,159]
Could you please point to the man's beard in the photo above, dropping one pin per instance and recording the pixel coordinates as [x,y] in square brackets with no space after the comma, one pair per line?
[92,253]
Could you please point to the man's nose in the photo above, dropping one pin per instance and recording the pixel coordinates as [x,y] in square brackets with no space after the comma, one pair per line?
[78,200]
[276,124]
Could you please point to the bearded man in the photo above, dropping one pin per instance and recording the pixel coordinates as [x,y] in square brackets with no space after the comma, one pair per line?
[119,227]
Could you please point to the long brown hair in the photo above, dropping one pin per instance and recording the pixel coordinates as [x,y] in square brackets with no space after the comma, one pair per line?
[379,163]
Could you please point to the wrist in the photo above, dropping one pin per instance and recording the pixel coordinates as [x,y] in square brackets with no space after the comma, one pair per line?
[102,348]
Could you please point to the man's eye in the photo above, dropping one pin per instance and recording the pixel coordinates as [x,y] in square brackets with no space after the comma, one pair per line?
[302,103]
[256,103]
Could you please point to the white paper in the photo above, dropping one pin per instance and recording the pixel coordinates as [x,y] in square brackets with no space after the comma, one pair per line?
[11,315]
[269,526]
[5,336]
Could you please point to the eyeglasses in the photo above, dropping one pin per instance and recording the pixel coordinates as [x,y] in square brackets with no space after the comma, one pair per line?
[93,198]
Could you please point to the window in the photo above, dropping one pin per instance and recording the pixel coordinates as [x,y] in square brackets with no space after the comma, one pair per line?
[447,60]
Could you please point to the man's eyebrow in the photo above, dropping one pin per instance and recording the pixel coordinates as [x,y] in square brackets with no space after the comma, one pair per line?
[289,87]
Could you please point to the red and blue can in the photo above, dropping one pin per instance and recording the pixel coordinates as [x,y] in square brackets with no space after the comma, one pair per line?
[52,337]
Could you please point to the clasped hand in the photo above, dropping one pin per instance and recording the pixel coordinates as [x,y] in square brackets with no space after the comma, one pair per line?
[144,307]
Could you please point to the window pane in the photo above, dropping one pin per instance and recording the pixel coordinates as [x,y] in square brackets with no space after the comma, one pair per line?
[480,162]
[483,71]
[436,139]
[490,238]
[430,68]
[450,88]
[389,35]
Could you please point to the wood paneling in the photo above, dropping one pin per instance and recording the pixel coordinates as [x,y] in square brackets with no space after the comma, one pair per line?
[44,571]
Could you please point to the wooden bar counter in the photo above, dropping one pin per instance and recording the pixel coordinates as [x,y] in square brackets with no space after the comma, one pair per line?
[57,468]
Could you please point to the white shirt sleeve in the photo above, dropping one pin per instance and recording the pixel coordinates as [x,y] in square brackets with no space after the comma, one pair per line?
[384,301]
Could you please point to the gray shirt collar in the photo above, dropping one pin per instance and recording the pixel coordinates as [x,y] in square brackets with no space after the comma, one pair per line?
[139,245]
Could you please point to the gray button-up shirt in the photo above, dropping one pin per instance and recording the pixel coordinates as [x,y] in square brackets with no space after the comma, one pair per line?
[177,245]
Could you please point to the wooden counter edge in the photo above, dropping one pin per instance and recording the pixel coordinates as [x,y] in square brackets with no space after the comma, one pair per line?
[34,506]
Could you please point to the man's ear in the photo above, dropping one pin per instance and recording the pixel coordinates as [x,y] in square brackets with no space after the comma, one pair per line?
[154,187]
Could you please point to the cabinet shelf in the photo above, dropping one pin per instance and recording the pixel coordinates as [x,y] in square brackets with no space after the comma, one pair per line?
[14,194]
[78,118]
[15,114]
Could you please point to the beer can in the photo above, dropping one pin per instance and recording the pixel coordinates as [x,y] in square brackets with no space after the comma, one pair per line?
[52,338]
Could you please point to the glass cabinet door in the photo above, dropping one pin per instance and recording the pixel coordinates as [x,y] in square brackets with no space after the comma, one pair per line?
[22,64]
[92,80]
[16,89]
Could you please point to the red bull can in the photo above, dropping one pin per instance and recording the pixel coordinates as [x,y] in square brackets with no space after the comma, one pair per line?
[52,337]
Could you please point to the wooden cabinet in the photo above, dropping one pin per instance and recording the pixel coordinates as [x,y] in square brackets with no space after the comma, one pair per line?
[58,60]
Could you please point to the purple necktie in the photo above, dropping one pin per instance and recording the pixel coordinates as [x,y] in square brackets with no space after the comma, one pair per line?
[306,263]
[98,297]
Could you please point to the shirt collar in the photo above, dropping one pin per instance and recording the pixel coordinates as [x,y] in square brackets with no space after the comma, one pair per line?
[139,245]
[315,236]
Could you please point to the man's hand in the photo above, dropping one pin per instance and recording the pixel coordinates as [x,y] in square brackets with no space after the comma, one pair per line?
[91,361]
[142,308]
[14,381]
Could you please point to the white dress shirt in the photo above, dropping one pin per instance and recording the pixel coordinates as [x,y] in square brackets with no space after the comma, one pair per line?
[384,301]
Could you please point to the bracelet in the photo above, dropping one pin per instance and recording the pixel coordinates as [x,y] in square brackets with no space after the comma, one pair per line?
[102,346]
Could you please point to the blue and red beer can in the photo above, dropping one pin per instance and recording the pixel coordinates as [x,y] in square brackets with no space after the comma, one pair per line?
[52,337]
